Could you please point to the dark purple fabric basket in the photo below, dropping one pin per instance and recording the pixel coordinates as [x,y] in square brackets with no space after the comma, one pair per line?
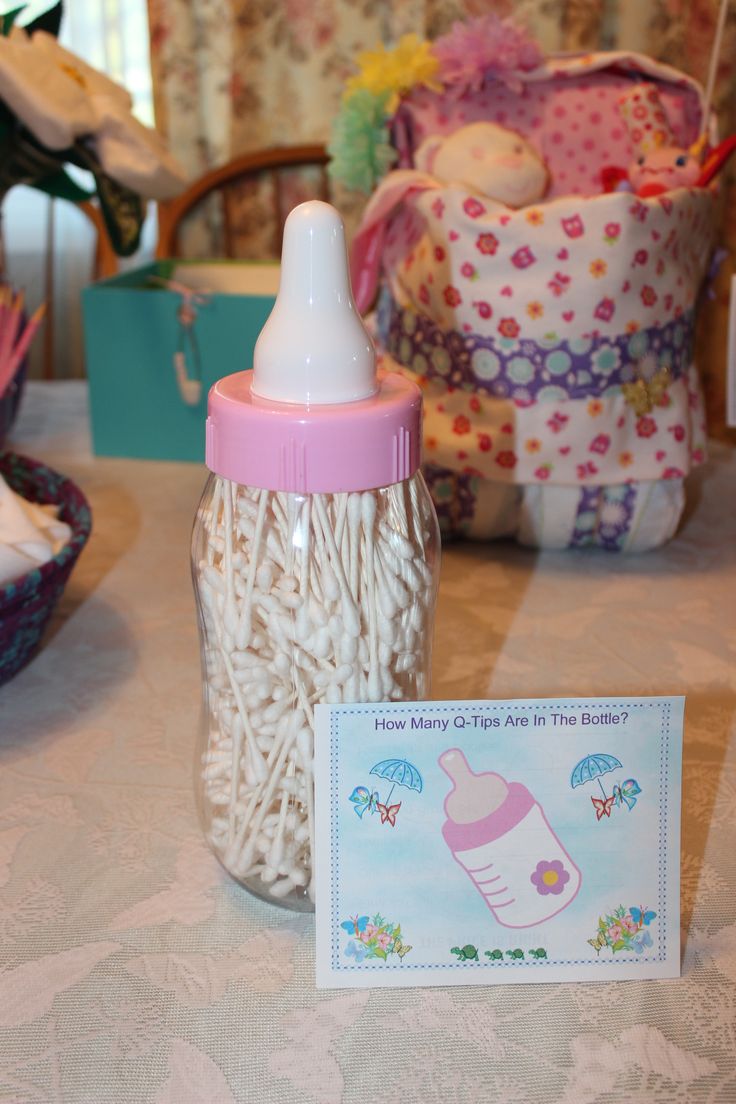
[27,603]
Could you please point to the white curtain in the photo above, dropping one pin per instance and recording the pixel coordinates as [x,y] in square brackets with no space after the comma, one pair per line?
[49,244]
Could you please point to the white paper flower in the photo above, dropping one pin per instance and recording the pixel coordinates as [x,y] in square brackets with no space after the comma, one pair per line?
[59,98]
[50,103]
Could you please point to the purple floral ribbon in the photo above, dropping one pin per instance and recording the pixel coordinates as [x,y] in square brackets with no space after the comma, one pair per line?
[527,371]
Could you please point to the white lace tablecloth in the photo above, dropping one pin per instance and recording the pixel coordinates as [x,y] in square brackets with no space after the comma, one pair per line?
[133,970]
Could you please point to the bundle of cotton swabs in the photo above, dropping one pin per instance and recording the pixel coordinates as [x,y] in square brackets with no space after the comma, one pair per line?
[15,337]
[305,599]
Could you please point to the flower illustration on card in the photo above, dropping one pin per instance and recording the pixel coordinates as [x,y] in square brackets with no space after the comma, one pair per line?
[624,930]
[550,877]
[373,938]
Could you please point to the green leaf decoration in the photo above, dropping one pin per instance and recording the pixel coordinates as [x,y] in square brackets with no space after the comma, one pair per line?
[49,21]
[7,20]
[61,185]
[619,945]
[379,953]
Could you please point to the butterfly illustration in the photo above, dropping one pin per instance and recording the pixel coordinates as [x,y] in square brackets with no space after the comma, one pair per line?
[388,813]
[598,943]
[355,925]
[357,950]
[625,794]
[642,940]
[643,394]
[363,800]
[602,806]
[400,948]
[641,916]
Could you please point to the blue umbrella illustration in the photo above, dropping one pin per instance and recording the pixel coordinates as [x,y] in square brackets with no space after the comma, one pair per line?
[593,766]
[399,773]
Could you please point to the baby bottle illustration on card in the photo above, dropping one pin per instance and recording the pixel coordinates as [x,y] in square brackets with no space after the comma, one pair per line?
[499,834]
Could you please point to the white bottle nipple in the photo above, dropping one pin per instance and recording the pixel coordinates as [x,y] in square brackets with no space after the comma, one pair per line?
[473,796]
[314,347]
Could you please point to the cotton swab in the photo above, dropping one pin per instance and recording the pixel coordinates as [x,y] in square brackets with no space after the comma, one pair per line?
[316,599]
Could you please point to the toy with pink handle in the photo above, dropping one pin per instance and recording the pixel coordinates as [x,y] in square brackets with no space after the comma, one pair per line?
[500,836]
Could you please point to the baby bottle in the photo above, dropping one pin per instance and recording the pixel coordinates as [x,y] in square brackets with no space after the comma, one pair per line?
[500,836]
[315,559]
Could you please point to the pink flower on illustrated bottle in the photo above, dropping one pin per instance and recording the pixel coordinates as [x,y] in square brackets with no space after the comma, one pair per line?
[484,309]
[473,208]
[646,426]
[600,444]
[468,271]
[640,258]
[484,442]
[611,232]
[508,327]
[438,208]
[439,253]
[673,473]
[573,226]
[543,471]
[614,933]
[698,455]
[487,244]
[452,296]
[550,877]
[648,296]
[678,432]
[461,425]
[506,459]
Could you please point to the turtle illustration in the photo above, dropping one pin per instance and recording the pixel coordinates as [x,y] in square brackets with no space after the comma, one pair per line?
[516,953]
[539,953]
[494,954]
[468,953]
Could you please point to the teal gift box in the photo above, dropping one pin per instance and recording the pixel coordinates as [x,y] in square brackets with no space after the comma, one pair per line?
[136,330]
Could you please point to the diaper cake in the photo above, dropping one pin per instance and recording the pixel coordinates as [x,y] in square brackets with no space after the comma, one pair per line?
[537,236]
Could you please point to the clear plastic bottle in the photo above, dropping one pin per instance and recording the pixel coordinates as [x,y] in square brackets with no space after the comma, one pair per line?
[315,559]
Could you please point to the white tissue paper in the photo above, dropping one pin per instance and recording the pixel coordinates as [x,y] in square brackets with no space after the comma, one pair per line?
[30,534]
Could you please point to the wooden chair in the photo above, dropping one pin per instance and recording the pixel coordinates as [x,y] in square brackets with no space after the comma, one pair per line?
[248,166]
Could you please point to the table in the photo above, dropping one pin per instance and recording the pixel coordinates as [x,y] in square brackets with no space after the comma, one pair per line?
[134,970]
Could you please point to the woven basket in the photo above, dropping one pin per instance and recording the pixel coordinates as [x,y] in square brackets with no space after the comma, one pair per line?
[27,603]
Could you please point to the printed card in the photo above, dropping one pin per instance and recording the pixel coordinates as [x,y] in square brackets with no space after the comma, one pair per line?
[494,842]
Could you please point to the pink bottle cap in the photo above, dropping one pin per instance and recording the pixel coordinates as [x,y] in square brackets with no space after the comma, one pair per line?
[323,448]
[313,415]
